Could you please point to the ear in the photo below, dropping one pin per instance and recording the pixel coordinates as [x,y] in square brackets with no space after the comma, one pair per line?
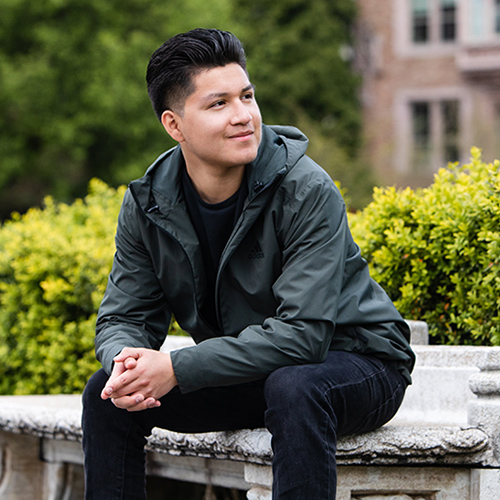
[171,123]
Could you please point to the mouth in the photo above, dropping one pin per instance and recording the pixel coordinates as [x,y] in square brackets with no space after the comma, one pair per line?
[242,135]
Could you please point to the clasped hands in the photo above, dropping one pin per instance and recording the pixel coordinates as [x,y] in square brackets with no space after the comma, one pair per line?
[140,377]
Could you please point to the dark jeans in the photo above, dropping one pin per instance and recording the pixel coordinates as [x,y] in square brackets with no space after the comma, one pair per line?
[304,407]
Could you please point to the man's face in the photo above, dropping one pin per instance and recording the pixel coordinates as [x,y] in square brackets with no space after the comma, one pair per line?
[220,126]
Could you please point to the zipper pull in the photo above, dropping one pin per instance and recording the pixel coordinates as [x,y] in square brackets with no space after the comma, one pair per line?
[257,187]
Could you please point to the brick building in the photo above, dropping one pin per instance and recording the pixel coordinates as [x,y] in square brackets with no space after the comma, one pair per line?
[431,84]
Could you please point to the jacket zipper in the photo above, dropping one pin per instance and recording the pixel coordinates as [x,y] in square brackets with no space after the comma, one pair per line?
[258,188]
[156,208]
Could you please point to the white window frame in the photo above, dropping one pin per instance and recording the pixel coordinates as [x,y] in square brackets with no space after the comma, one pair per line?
[403,126]
[488,35]
[403,43]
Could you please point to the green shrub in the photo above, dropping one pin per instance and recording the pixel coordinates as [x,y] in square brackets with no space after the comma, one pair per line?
[53,271]
[437,251]
[54,265]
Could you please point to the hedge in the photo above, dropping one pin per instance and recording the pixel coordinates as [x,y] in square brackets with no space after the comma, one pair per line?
[53,271]
[54,264]
[437,251]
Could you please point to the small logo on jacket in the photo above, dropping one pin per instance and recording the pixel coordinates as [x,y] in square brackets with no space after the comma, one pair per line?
[256,252]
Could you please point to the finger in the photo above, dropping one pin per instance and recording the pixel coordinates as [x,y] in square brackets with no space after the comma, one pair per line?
[152,403]
[129,401]
[130,363]
[107,391]
[127,383]
[148,404]
[127,352]
[136,402]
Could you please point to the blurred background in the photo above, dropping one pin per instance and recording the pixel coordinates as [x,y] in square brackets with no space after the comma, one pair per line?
[388,91]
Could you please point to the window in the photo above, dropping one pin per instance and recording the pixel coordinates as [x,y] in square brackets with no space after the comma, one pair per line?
[497,16]
[448,20]
[421,126]
[449,118]
[481,21]
[433,21]
[477,15]
[435,127]
[420,14]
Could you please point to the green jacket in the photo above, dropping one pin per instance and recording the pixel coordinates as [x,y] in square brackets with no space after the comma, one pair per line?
[291,283]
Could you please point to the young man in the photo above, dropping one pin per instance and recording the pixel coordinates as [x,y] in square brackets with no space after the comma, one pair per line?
[245,240]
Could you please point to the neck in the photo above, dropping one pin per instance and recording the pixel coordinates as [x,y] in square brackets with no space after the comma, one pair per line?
[216,185]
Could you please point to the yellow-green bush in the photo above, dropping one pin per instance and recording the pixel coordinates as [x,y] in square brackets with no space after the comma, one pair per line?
[53,272]
[54,265]
[437,251]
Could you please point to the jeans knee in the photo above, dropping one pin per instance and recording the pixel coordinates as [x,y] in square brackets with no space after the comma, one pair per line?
[94,386]
[287,388]
[94,408]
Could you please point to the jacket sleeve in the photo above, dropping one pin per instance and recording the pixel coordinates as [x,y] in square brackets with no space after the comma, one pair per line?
[133,312]
[316,240]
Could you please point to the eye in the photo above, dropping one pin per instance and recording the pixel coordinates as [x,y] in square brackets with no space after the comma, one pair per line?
[248,96]
[218,104]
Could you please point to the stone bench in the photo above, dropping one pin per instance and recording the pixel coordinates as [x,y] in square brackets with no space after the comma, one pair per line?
[444,443]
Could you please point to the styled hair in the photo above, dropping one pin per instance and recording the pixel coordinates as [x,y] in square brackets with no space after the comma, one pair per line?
[173,65]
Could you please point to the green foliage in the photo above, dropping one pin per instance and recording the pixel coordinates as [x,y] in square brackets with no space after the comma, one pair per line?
[54,266]
[350,172]
[297,59]
[53,272]
[73,94]
[437,251]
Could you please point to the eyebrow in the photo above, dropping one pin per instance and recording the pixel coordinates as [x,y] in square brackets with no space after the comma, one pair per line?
[217,95]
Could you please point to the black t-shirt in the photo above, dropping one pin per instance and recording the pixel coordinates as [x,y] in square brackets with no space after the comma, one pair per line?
[213,224]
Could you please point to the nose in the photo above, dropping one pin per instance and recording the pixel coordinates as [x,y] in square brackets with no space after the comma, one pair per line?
[241,114]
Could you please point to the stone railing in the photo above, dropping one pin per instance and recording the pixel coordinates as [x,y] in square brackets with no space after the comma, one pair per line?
[444,443]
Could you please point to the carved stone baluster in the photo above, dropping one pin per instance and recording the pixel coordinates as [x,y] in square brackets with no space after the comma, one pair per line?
[261,479]
[484,412]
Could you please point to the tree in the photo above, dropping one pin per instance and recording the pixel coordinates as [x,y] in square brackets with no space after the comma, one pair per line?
[73,94]
[299,58]
[297,53]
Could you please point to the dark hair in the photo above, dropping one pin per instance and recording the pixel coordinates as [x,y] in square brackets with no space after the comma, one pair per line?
[172,66]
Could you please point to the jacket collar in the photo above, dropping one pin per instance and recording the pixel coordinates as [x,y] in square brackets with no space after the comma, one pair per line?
[280,149]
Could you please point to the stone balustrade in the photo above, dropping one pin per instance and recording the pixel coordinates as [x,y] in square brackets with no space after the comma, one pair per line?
[444,443]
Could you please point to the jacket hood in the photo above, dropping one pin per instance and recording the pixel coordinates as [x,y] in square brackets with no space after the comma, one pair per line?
[294,140]
[280,149]
[290,140]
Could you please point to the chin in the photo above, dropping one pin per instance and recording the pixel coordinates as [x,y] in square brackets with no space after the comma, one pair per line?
[250,156]
[248,160]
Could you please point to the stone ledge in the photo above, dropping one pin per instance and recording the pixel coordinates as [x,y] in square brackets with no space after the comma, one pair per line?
[474,357]
[46,416]
[390,445]
[395,445]
[58,418]
[252,446]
